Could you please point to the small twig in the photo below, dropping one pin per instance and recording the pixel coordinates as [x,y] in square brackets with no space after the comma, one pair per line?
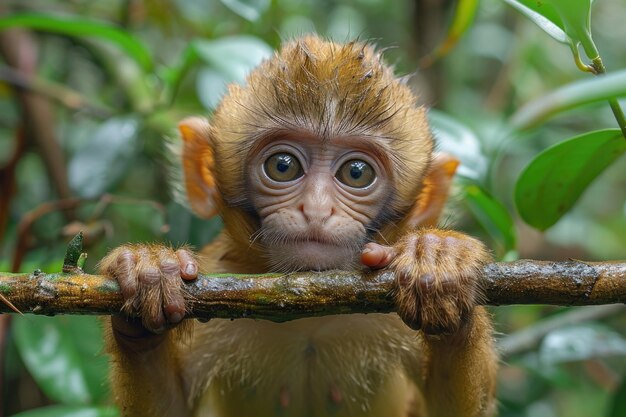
[66,96]
[287,297]
[9,304]
[24,237]
[19,49]
[8,177]
[26,223]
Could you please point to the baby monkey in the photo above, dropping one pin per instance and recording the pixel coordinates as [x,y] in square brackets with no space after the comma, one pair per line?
[322,160]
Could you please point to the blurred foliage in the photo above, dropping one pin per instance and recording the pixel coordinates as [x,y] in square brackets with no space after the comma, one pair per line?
[511,103]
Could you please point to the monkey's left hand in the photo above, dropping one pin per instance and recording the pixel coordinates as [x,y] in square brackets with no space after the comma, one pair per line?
[436,274]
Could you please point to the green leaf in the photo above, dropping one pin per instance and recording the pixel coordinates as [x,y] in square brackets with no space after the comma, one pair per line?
[227,60]
[618,406]
[547,19]
[553,181]
[573,95]
[491,214]
[211,87]
[463,17]
[74,26]
[572,18]
[105,157]
[64,355]
[233,56]
[576,18]
[457,139]
[70,411]
[248,9]
[566,21]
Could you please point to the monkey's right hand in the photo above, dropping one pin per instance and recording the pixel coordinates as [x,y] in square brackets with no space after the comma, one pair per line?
[150,278]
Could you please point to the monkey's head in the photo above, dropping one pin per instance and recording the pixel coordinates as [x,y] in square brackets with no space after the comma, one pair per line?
[317,152]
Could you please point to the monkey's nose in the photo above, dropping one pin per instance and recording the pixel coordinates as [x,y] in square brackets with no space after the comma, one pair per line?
[317,213]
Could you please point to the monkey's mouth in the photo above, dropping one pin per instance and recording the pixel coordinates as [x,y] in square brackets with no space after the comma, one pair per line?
[313,247]
[315,254]
[313,239]
[312,252]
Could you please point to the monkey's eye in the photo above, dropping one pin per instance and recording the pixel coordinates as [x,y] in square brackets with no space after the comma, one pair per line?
[356,173]
[283,167]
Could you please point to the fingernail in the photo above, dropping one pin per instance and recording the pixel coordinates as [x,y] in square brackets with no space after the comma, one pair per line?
[367,250]
[191,269]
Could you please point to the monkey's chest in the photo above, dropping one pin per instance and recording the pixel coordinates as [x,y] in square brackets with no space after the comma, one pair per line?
[330,366]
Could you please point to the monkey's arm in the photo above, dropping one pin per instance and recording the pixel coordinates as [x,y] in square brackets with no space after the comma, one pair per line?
[437,294]
[460,374]
[145,373]
[146,377]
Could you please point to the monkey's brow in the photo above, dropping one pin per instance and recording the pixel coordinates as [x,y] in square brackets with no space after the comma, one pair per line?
[373,144]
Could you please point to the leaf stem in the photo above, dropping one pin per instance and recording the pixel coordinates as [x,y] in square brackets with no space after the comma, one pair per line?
[579,62]
[618,113]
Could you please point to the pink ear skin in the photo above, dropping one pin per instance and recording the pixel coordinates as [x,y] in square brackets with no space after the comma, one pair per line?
[197,160]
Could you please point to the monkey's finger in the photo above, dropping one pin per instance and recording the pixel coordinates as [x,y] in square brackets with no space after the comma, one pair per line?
[173,302]
[430,248]
[149,301]
[377,256]
[188,265]
[123,271]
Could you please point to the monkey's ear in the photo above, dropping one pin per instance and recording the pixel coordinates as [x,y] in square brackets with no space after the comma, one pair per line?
[434,194]
[198,166]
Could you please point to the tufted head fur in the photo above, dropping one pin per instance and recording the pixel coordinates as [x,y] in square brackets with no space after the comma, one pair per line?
[327,89]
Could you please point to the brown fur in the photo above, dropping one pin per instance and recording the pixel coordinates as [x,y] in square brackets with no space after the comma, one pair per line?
[357,365]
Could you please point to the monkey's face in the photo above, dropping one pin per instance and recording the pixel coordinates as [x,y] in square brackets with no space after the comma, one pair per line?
[316,199]
[333,145]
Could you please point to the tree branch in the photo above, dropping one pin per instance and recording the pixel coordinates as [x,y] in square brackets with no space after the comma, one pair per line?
[287,297]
